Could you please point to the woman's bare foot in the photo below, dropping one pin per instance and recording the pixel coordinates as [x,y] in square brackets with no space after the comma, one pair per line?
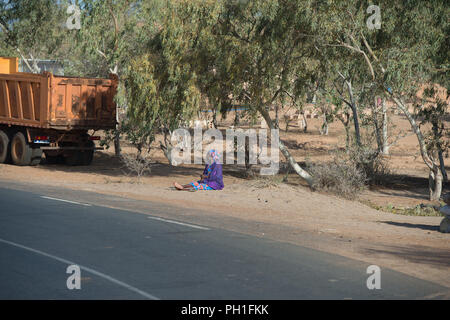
[178,186]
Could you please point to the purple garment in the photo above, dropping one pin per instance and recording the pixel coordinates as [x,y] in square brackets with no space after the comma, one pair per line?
[215,179]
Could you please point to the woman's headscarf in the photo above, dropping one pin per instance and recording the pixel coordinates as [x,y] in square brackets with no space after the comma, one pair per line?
[213,156]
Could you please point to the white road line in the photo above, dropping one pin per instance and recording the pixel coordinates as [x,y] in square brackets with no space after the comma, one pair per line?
[74,202]
[151,217]
[92,271]
[180,223]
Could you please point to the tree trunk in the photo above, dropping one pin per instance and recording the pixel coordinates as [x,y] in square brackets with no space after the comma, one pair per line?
[248,165]
[30,67]
[294,165]
[277,122]
[378,133]
[435,183]
[167,146]
[347,137]
[324,128]
[117,148]
[438,136]
[442,166]
[345,119]
[356,123]
[305,127]
[435,177]
[384,128]
[355,113]
[214,120]
[422,147]
[287,120]
[284,150]
[117,143]
[236,118]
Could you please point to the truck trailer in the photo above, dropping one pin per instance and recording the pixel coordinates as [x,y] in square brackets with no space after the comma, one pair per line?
[43,113]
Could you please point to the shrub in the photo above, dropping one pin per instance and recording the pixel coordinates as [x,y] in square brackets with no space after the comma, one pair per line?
[137,164]
[371,163]
[340,176]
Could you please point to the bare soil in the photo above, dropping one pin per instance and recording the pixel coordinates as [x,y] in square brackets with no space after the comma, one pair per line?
[410,244]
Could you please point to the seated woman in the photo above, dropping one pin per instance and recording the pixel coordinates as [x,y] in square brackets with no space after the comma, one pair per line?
[211,179]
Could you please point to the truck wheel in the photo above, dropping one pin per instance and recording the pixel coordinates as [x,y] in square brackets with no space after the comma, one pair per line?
[53,159]
[20,150]
[88,155]
[73,158]
[5,153]
[36,156]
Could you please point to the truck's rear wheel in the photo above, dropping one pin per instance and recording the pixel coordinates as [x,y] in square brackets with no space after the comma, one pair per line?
[21,152]
[36,156]
[73,158]
[88,155]
[5,153]
[53,159]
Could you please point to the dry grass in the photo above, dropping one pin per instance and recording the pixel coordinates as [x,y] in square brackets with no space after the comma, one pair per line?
[263,182]
[341,177]
[137,164]
[418,210]
[371,163]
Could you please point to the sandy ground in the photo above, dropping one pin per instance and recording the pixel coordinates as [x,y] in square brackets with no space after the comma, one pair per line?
[286,211]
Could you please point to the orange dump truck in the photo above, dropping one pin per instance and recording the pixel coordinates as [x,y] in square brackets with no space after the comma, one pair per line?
[43,113]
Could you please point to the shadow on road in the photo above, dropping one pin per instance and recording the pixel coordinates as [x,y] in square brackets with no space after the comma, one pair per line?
[416,254]
[412,225]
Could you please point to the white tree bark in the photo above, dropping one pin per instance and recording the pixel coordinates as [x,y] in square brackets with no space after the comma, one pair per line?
[284,150]
[435,183]
[435,176]
[376,124]
[381,130]
[442,165]
[384,128]
[324,129]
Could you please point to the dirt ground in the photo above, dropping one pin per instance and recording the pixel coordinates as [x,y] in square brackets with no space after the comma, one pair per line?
[410,244]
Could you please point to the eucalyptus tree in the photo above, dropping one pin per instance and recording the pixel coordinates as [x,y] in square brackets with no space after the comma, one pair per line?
[262,48]
[251,51]
[409,50]
[162,84]
[32,29]
[111,34]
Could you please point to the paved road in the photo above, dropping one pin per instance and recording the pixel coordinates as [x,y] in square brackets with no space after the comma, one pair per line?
[129,255]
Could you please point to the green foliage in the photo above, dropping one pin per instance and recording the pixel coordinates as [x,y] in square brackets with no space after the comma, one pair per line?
[174,57]
[34,27]
[418,210]
[109,37]
[161,85]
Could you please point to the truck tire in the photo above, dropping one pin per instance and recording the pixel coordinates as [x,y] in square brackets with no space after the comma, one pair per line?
[36,156]
[21,152]
[73,158]
[53,159]
[88,155]
[5,153]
